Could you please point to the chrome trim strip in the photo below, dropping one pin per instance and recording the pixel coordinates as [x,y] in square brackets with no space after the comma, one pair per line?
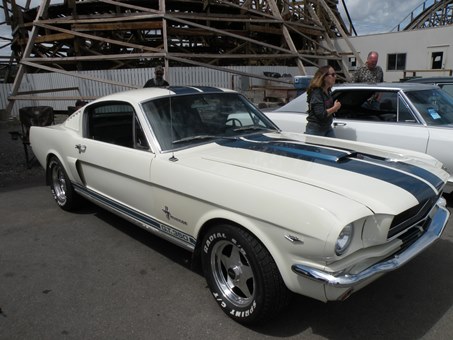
[433,232]
[143,221]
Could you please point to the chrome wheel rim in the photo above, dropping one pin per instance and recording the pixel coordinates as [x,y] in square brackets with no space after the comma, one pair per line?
[232,273]
[59,184]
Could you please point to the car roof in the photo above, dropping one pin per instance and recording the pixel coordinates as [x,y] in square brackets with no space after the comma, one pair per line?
[299,102]
[440,79]
[405,86]
[140,95]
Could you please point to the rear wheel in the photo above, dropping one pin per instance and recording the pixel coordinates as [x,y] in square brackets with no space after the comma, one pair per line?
[242,275]
[61,187]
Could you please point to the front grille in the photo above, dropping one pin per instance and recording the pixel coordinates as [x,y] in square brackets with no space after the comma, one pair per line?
[411,217]
[412,235]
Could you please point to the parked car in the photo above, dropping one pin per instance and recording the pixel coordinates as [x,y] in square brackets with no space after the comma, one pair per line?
[445,83]
[405,115]
[265,212]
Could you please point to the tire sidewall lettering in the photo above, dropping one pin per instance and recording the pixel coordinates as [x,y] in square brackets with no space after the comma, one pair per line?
[235,312]
[211,240]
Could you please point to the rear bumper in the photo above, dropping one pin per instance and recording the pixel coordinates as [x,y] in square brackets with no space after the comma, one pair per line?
[341,280]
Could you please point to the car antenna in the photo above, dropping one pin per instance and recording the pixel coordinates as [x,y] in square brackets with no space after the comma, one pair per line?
[172,158]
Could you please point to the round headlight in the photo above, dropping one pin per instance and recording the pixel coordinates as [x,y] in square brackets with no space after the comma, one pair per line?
[344,239]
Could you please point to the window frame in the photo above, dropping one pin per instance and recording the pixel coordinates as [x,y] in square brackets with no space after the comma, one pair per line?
[104,135]
[397,66]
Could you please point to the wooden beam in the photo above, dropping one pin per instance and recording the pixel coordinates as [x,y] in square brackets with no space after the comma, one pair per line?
[94,37]
[100,18]
[221,32]
[342,32]
[78,75]
[53,37]
[133,56]
[49,90]
[41,13]
[118,26]
[28,97]
[287,35]
[137,8]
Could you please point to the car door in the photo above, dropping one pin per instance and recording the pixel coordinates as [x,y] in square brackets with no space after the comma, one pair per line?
[114,156]
[380,118]
[441,144]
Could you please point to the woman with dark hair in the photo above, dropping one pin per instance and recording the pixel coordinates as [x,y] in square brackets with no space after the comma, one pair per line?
[321,105]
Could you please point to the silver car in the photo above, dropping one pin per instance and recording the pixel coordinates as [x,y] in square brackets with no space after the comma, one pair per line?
[445,82]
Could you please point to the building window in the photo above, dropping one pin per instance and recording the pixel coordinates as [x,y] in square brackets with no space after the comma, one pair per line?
[396,61]
[352,62]
[437,60]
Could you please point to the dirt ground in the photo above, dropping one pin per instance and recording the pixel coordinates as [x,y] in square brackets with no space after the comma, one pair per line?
[13,169]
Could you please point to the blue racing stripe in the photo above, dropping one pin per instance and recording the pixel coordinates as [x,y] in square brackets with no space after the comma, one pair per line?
[428,176]
[209,89]
[194,89]
[183,90]
[339,159]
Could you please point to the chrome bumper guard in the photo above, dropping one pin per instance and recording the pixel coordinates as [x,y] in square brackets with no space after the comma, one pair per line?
[434,231]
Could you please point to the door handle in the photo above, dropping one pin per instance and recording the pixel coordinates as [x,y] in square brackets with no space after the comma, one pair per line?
[339,124]
[81,148]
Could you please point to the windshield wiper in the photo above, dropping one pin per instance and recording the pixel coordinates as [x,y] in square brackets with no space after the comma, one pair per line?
[200,137]
[252,128]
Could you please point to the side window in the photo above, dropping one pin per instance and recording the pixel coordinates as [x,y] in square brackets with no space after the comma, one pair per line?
[115,123]
[376,106]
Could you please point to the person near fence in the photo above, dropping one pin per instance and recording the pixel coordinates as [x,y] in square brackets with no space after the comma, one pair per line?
[158,80]
[321,105]
[80,103]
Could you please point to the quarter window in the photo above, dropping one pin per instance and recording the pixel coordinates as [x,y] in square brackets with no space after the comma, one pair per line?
[115,123]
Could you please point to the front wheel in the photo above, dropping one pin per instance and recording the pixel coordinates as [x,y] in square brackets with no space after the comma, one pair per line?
[61,187]
[242,275]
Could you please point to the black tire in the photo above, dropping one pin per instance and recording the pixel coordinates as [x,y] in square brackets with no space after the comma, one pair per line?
[61,187]
[242,275]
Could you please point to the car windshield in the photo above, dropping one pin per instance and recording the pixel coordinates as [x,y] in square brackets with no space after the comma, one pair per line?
[435,106]
[186,120]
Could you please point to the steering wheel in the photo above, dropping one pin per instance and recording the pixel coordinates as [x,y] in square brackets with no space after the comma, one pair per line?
[234,122]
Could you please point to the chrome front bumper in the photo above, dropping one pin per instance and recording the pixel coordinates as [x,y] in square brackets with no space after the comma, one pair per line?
[434,231]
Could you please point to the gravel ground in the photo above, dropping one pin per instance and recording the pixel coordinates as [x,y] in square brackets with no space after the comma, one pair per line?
[13,169]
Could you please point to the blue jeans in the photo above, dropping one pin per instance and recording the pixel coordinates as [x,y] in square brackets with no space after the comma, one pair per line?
[317,131]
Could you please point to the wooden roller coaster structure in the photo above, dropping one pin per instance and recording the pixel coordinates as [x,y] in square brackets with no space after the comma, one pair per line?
[78,35]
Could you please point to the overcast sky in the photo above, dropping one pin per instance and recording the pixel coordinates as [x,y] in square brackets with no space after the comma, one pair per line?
[379,16]
[368,16]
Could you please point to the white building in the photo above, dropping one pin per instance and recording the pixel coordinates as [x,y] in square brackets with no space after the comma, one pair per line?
[423,52]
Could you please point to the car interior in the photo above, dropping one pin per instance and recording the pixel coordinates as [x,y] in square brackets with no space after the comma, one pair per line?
[115,123]
[369,105]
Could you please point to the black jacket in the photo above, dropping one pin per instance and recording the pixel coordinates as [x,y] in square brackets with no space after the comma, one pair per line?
[155,83]
[318,103]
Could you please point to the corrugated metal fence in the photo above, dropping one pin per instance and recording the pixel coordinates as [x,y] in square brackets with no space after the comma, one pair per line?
[134,78]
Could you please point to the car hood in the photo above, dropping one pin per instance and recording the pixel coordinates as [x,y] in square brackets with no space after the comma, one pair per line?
[383,180]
